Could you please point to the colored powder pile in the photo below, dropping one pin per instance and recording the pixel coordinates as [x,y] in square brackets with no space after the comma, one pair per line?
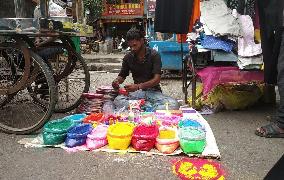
[192,134]
[94,117]
[122,129]
[194,168]
[188,122]
[146,130]
[167,134]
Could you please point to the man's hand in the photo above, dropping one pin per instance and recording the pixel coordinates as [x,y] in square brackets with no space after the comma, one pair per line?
[115,84]
[131,87]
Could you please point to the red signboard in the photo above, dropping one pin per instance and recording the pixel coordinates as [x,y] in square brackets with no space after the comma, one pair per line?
[123,9]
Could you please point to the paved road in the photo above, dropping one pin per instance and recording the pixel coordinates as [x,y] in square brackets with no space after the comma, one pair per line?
[244,155]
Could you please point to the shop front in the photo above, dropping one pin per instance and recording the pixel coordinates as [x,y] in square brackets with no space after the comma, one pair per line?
[117,19]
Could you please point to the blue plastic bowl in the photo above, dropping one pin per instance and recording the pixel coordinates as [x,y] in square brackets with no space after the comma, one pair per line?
[79,131]
[70,142]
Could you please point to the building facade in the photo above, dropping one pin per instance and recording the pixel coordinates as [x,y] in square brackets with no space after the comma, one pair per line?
[120,15]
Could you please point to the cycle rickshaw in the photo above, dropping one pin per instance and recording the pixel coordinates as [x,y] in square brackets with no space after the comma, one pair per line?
[31,89]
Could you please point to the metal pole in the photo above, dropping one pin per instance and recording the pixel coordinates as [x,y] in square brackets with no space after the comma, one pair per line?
[147,9]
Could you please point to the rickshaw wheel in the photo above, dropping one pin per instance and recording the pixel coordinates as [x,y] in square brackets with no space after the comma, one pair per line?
[71,76]
[21,114]
[72,85]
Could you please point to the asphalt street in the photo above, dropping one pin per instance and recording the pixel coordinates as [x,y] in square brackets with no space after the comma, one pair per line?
[243,154]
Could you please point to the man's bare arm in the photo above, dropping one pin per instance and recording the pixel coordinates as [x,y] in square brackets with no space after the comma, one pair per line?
[148,84]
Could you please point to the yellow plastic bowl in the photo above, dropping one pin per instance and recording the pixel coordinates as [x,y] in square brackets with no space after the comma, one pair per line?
[119,135]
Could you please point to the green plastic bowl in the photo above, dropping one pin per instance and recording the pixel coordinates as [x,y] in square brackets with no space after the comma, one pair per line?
[192,140]
[59,126]
[192,146]
[53,138]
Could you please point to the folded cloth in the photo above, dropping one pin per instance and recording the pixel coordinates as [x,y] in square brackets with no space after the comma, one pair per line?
[211,42]
[221,56]
[246,45]
[254,62]
[213,76]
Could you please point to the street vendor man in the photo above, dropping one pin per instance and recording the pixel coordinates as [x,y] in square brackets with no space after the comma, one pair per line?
[145,65]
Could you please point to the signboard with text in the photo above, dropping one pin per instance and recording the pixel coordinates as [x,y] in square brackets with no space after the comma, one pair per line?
[123,9]
[151,8]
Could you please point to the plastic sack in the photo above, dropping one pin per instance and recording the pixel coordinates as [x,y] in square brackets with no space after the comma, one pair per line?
[97,138]
[108,108]
[59,126]
[192,140]
[136,104]
[94,118]
[77,135]
[167,141]
[53,138]
[233,97]
[76,117]
[119,135]
[144,137]
[167,148]
[70,142]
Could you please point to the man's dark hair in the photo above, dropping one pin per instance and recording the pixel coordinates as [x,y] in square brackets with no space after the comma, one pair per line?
[134,34]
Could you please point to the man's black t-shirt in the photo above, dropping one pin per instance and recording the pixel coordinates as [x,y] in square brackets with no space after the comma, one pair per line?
[142,71]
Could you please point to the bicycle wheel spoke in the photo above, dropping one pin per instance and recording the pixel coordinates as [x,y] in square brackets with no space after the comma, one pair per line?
[21,113]
[72,68]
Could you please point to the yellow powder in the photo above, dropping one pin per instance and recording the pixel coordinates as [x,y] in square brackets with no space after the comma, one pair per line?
[167,134]
[122,129]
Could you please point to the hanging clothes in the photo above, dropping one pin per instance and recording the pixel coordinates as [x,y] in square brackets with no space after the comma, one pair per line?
[172,16]
[219,19]
[195,14]
[246,44]
[243,7]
